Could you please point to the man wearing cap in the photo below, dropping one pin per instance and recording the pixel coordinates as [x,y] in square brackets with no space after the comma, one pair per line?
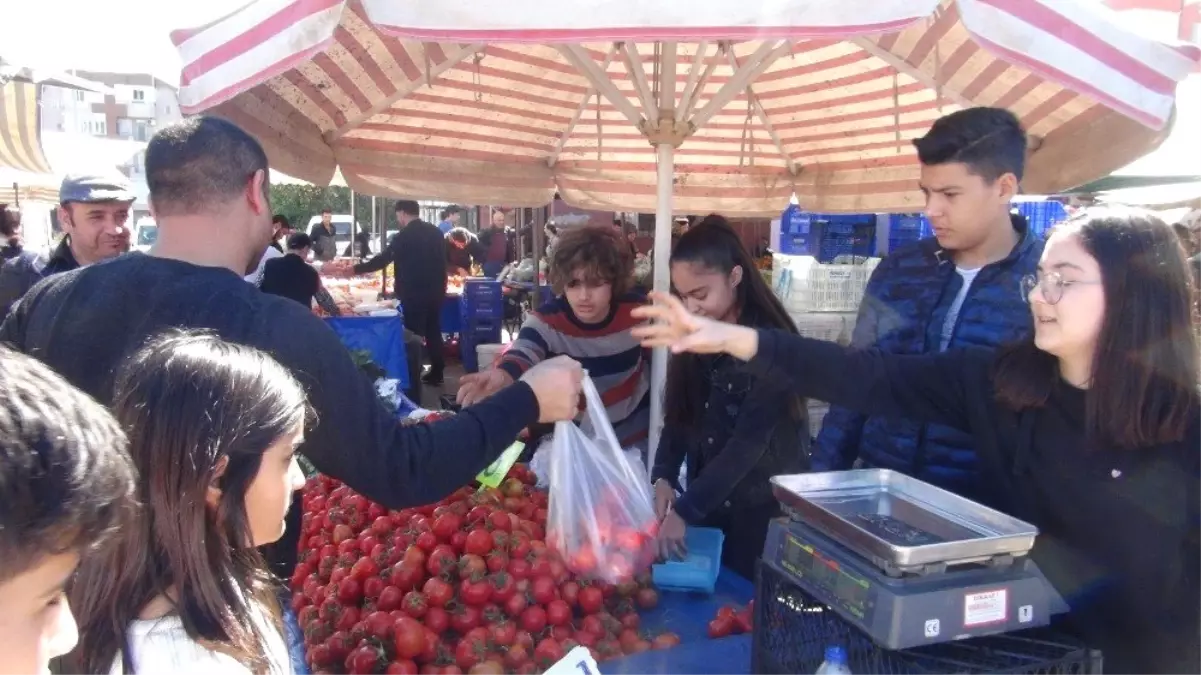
[93,209]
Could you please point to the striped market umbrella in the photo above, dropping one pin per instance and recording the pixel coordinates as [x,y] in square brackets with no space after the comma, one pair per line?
[691,107]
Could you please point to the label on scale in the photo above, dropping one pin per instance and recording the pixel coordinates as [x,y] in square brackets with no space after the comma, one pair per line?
[985,607]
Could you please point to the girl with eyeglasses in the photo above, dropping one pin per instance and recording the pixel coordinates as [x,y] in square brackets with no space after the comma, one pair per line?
[1090,430]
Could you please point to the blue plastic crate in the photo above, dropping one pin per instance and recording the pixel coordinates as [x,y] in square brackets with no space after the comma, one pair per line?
[1042,216]
[697,573]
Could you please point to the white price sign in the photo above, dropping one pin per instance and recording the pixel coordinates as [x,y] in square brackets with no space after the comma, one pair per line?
[578,661]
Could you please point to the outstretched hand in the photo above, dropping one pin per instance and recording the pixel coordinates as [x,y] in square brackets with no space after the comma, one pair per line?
[671,325]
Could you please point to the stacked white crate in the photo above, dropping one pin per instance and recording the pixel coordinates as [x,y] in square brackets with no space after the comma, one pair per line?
[823,301]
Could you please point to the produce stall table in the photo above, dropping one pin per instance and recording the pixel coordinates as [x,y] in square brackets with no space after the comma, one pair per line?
[688,616]
[382,336]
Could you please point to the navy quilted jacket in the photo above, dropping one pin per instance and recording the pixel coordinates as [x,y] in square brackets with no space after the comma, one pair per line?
[902,312]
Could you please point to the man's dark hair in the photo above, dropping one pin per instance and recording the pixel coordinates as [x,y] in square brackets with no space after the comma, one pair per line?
[197,163]
[450,211]
[66,479]
[990,141]
[281,220]
[408,207]
[325,211]
[299,241]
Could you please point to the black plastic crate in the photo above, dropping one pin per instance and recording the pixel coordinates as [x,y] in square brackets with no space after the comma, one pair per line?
[792,631]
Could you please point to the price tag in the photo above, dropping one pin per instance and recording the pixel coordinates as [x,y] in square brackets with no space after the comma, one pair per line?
[496,472]
[578,661]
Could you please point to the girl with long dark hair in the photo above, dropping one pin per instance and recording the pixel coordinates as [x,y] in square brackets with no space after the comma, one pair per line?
[213,430]
[1091,430]
[736,429]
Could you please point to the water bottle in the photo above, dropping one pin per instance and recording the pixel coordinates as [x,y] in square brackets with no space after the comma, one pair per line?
[835,663]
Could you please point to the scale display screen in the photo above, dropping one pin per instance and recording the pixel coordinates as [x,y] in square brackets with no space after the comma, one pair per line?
[800,558]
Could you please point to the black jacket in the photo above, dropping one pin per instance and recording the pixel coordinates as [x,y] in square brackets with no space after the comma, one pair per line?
[418,252]
[84,323]
[20,273]
[746,433]
[291,277]
[1118,529]
[325,244]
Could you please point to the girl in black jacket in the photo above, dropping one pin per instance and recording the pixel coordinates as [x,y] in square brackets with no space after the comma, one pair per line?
[736,428]
[1090,431]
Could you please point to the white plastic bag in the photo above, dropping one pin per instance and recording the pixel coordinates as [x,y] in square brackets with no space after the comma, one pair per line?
[601,517]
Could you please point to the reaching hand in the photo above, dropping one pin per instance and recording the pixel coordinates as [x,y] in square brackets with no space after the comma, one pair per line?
[665,496]
[557,384]
[671,537]
[481,385]
[674,327]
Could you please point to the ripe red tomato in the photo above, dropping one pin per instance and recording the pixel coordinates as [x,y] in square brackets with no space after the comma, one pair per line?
[405,576]
[408,638]
[426,541]
[548,652]
[472,566]
[499,520]
[458,540]
[415,555]
[515,605]
[442,561]
[665,641]
[319,656]
[367,542]
[593,624]
[381,526]
[498,561]
[516,657]
[438,592]
[475,593]
[721,626]
[437,619]
[365,659]
[591,599]
[503,633]
[404,667]
[350,591]
[338,646]
[389,599]
[446,525]
[342,533]
[469,652]
[533,619]
[373,586]
[478,542]
[647,598]
[465,618]
[570,592]
[543,589]
[379,625]
[558,613]
[519,568]
[415,604]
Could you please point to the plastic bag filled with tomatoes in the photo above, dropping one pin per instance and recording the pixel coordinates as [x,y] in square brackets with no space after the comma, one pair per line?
[601,517]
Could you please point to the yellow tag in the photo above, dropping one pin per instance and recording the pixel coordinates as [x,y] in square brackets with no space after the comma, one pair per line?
[496,472]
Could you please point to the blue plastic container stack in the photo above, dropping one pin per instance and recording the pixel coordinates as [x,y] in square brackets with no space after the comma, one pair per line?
[826,235]
[483,310]
[904,228]
[697,572]
[1042,216]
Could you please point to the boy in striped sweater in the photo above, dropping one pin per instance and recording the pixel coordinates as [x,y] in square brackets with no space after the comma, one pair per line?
[589,320]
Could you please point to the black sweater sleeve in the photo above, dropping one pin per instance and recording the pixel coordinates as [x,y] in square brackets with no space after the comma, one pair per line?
[359,441]
[937,388]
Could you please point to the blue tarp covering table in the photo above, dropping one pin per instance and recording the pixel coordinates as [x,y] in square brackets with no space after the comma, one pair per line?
[688,616]
[383,336]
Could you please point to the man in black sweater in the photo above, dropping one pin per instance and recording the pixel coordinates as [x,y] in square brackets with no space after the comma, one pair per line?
[208,185]
[418,253]
[291,277]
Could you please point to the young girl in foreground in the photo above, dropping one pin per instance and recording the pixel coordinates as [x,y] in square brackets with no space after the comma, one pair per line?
[737,429]
[213,431]
[1091,430]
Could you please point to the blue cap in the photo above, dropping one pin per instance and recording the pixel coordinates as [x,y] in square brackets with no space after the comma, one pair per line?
[95,187]
[836,654]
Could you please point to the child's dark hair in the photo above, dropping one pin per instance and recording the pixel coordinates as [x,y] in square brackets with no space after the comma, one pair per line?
[714,245]
[599,252]
[191,401]
[990,141]
[66,480]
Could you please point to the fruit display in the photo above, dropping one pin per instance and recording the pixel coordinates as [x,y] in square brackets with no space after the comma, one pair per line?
[467,584]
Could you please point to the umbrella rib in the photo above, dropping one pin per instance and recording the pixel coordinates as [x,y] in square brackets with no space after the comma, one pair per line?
[906,68]
[694,71]
[452,60]
[638,74]
[579,111]
[577,57]
[667,80]
[692,95]
[762,115]
[760,61]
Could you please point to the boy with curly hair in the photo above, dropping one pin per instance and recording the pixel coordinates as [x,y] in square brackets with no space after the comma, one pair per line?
[589,320]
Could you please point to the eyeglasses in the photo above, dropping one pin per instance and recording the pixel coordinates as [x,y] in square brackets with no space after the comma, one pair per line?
[1052,285]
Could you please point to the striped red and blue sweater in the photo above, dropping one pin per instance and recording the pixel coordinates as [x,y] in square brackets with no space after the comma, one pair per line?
[615,361]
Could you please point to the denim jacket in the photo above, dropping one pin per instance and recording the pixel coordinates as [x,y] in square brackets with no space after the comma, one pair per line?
[745,435]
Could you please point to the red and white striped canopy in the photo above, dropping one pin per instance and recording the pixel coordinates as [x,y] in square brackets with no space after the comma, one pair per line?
[509,102]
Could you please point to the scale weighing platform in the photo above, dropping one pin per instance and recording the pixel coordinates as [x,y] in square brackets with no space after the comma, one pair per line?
[907,563]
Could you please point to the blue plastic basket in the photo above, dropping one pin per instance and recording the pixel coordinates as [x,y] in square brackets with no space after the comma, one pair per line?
[697,573]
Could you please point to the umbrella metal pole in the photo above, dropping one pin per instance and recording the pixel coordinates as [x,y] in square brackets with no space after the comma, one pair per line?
[665,156]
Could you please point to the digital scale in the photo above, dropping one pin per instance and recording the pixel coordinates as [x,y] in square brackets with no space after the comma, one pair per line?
[907,563]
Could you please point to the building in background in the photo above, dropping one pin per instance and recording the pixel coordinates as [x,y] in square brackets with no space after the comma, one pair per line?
[116,124]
